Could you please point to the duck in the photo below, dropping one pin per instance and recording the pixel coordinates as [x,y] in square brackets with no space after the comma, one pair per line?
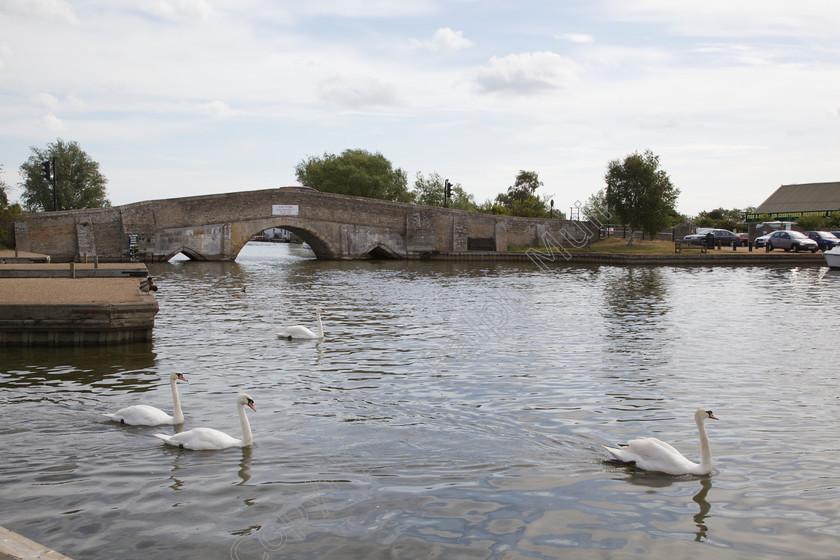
[654,455]
[146,415]
[206,439]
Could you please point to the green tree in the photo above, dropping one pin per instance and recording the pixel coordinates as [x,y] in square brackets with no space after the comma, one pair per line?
[723,218]
[595,207]
[521,198]
[79,184]
[430,192]
[639,193]
[8,212]
[355,173]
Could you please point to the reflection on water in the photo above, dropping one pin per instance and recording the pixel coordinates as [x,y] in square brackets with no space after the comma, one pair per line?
[700,498]
[452,410]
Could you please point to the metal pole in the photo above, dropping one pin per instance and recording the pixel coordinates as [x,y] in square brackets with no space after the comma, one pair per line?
[55,194]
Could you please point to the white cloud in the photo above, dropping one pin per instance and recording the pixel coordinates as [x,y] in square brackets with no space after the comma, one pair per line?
[577,37]
[356,91]
[804,18]
[52,123]
[217,109]
[44,101]
[53,9]
[445,39]
[540,72]
[182,9]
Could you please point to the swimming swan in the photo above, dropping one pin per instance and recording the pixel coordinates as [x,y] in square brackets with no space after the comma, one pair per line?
[145,415]
[299,331]
[652,454]
[201,439]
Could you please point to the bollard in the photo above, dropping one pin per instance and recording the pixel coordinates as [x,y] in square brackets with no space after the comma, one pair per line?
[734,246]
[751,246]
[72,270]
[95,261]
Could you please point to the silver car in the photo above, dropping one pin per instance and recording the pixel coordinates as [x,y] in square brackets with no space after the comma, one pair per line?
[791,240]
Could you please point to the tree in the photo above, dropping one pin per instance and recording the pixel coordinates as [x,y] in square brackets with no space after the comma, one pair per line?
[639,193]
[595,207]
[355,173]
[722,218]
[521,198]
[430,192]
[8,212]
[78,182]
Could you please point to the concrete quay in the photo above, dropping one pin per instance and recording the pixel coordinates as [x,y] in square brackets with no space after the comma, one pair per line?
[74,304]
[17,547]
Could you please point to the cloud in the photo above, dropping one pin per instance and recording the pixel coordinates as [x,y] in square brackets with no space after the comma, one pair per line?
[539,72]
[53,9]
[357,91]
[44,101]
[182,9]
[217,109]
[721,18]
[577,37]
[445,39]
[52,123]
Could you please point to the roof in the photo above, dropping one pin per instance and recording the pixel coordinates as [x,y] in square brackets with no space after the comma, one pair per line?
[790,202]
[808,197]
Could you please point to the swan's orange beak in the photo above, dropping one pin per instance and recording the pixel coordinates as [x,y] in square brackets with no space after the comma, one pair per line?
[712,416]
[182,378]
[251,404]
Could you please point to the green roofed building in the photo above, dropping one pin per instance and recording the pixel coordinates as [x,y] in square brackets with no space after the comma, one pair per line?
[791,202]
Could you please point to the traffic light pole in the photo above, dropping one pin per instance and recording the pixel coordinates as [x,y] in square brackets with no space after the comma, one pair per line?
[55,193]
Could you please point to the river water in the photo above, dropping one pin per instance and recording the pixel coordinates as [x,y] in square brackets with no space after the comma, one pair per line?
[453,410]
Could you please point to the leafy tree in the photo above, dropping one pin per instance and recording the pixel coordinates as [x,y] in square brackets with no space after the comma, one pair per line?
[79,184]
[595,207]
[639,193]
[355,173]
[521,198]
[722,218]
[8,212]
[430,192]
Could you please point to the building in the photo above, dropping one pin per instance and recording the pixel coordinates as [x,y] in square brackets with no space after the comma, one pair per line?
[791,202]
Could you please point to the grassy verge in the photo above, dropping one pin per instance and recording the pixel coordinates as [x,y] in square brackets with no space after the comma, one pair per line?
[615,245]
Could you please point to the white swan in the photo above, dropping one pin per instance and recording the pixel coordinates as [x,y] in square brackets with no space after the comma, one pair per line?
[145,415]
[299,331]
[652,454]
[207,438]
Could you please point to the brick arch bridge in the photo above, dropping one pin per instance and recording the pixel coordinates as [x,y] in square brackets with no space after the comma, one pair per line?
[216,227]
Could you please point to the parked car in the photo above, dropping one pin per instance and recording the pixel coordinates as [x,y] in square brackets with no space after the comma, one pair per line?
[745,239]
[721,236]
[761,241]
[825,239]
[791,240]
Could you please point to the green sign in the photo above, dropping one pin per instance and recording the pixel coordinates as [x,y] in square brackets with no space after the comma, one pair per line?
[786,216]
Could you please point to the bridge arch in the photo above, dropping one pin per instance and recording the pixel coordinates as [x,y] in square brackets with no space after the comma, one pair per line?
[317,241]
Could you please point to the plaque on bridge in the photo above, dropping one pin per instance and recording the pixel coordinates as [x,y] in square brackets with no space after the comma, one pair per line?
[284,209]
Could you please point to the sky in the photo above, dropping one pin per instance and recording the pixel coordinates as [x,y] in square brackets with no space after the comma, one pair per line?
[190,97]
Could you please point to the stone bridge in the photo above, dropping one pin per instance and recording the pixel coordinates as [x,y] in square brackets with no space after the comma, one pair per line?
[216,227]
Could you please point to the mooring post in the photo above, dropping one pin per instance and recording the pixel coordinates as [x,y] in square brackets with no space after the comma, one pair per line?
[72,270]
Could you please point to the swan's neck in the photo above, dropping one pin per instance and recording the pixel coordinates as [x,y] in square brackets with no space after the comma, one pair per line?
[247,436]
[179,415]
[705,449]
[320,327]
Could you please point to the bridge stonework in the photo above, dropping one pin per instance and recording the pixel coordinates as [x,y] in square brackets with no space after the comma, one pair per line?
[216,227]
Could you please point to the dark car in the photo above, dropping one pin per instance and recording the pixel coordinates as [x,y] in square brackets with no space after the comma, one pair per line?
[720,236]
[745,239]
[825,239]
[791,240]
